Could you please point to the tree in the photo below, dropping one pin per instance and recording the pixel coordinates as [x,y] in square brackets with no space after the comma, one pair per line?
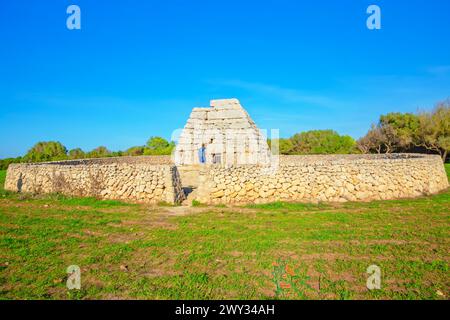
[117,154]
[285,145]
[158,146]
[434,130]
[46,151]
[379,139]
[4,163]
[389,139]
[135,151]
[407,132]
[403,128]
[99,152]
[77,153]
[322,142]
[157,143]
[372,141]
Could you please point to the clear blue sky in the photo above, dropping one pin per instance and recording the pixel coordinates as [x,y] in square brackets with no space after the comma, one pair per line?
[137,68]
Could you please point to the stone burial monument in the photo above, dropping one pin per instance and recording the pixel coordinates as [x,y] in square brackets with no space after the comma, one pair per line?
[221,158]
[227,133]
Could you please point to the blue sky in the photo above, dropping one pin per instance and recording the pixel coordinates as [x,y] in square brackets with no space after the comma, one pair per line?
[137,68]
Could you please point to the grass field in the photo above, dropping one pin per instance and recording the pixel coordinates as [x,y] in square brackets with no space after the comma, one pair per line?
[275,251]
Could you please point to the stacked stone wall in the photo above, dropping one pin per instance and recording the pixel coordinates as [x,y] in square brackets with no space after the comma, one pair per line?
[336,178]
[134,179]
[150,179]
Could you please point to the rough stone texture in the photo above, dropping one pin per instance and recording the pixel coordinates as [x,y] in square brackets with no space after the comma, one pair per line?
[326,178]
[227,130]
[149,179]
[148,160]
[136,179]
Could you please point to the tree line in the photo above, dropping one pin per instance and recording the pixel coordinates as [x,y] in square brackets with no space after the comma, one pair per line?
[421,132]
[424,132]
[56,151]
[316,142]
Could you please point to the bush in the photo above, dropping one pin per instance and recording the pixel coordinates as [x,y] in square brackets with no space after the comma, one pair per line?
[322,142]
[158,146]
[77,154]
[316,142]
[4,163]
[46,151]
[135,151]
[99,152]
[285,146]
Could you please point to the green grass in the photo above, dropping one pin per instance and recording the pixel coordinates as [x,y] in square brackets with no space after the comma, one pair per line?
[58,198]
[2,178]
[91,202]
[278,205]
[273,251]
[3,192]
[196,203]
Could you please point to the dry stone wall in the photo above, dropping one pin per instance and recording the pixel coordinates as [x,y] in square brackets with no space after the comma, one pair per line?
[136,179]
[327,178]
[334,178]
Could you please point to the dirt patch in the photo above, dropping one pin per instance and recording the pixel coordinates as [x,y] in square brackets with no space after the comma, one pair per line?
[331,256]
[146,264]
[152,222]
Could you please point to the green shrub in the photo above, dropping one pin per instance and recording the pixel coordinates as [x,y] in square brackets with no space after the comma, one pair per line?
[158,146]
[196,203]
[77,153]
[46,151]
[4,163]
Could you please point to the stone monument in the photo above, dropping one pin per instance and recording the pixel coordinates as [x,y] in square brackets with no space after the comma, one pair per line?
[228,134]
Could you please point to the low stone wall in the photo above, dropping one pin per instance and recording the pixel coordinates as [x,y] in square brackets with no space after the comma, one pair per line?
[335,178]
[136,179]
[148,160]
[150,179]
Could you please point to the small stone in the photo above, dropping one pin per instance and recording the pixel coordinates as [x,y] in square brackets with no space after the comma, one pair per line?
[218,194]
[440,293]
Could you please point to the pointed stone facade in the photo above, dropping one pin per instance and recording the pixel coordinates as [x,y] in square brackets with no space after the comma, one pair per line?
[228,133]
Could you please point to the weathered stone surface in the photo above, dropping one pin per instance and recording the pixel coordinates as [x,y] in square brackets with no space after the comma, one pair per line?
[225,129]
[137,179]
[334,178]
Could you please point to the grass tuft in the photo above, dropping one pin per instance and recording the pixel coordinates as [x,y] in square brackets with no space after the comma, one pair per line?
[288,206]
[196,203]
